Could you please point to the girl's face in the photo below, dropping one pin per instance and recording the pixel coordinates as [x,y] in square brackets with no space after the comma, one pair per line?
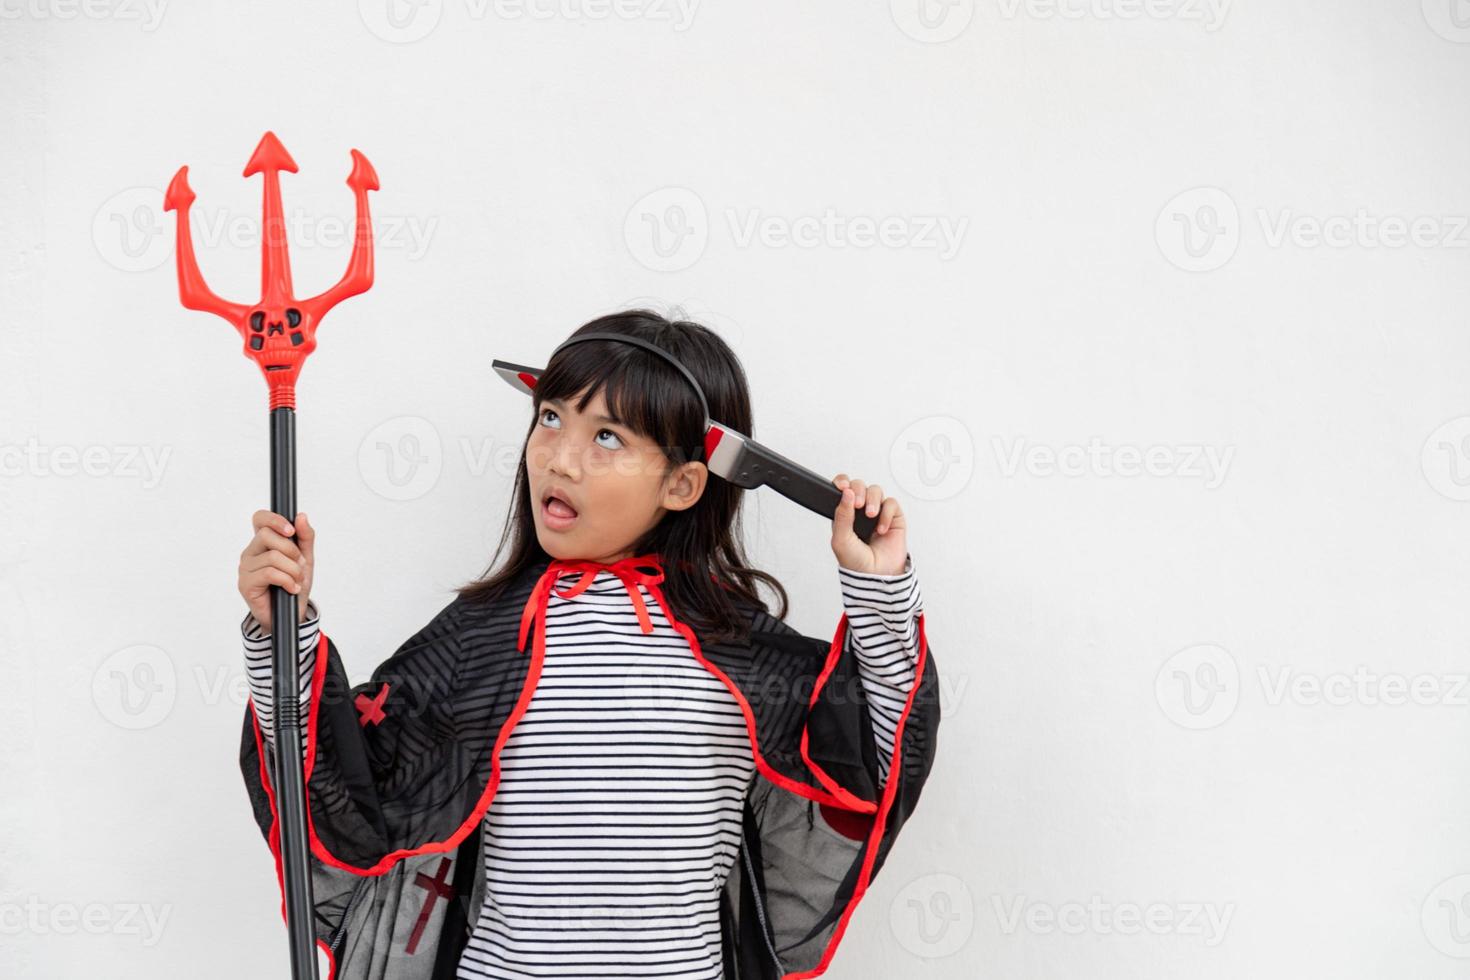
[611,483]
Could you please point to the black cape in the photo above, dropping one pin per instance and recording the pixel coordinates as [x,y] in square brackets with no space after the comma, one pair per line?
[401,769]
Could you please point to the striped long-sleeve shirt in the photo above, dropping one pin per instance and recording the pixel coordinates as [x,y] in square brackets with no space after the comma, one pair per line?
[617,818]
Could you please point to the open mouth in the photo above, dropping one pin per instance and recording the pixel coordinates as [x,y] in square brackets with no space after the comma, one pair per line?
[556,511]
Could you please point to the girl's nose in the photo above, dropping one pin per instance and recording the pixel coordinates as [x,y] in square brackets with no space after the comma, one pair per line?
[566,458]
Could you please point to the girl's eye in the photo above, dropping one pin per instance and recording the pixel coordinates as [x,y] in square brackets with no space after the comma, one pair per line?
[616,442]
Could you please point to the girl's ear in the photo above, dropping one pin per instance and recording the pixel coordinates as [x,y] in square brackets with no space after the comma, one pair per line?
[684,486]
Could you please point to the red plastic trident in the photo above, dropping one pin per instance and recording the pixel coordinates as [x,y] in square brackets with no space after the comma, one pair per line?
[280,330]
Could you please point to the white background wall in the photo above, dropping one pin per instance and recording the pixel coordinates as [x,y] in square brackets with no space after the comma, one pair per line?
[1176,229]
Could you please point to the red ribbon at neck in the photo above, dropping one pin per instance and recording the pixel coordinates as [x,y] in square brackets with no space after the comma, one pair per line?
[631,571]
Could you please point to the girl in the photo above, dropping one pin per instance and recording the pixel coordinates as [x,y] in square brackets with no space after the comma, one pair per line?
[683,786]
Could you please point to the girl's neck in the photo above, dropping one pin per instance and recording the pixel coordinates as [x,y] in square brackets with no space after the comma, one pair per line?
[621,558]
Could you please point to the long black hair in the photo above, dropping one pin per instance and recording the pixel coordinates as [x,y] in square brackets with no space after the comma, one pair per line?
[703,559]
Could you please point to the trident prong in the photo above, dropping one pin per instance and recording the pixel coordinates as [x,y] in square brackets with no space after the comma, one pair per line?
[279,331]
[193,291]
[359,274]
[270,158]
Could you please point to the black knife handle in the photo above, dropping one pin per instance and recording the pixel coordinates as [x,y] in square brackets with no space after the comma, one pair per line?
[762,466]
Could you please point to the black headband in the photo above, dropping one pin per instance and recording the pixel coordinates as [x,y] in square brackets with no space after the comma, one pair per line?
[652,349]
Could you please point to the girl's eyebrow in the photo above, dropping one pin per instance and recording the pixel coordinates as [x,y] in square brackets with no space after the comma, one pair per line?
[601,418]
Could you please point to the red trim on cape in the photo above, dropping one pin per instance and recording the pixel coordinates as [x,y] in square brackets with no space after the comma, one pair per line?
[849,800]
[533,675]
[890,789]
[765,768]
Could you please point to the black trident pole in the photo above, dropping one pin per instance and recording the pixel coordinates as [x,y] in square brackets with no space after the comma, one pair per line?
[289,773]
[279,332]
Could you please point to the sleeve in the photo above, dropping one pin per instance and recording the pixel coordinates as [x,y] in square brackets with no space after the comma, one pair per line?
[882,614]
[257,644]
[386,760]
[398,771]
[868,711]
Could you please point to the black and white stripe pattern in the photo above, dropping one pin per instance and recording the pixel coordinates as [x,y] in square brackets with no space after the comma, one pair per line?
[258,667]
[883,627]
[617,818]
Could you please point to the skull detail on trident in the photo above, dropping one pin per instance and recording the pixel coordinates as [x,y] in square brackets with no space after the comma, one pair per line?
[280,330]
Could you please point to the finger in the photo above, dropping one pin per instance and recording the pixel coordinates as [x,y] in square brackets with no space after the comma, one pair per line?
[267,540]
[268,518]
[306,534]
[859,488]
[274,576]
[274,559]
[875,500]
[890,516]
[843,518]
[841,480]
